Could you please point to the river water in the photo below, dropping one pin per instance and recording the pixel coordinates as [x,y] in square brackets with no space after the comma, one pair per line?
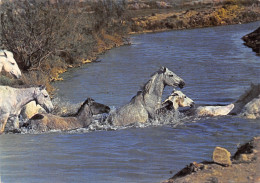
[217,68]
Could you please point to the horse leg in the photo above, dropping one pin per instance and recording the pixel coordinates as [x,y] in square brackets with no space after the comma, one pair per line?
[16,122]
[13,122]
[3,121]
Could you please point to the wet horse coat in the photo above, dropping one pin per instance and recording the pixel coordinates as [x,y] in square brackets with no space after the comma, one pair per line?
[144,105]
[82,119]
[179,99]
[12,101]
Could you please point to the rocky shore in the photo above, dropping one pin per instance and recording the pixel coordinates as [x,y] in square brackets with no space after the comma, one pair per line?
[243,166]
[252,40]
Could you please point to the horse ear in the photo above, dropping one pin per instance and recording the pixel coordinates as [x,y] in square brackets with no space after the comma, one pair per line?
[175,94]
[163,69]
[90,100]
[5,54]
[42,87]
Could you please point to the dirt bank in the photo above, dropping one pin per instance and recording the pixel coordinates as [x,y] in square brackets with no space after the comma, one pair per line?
[89,29]
[252,40]
[194,16]
[245,167]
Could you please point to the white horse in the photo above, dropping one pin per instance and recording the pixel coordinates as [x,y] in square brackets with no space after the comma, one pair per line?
[8,63]
[179,99]
[247,105]
[214,110]
[144,105]
[12,101]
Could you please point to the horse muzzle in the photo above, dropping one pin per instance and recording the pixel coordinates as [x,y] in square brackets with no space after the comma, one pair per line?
[16,75]
[192,105]
[181,84]
[107,110]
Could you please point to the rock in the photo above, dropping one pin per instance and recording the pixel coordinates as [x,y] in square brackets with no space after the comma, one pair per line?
[192,167]
[222,156]
[245,167]
[162,4]
[246,149]
[252,40]
[243,157]
[30,110]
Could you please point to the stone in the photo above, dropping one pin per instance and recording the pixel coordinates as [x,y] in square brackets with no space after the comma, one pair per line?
[222,156]
[243,157]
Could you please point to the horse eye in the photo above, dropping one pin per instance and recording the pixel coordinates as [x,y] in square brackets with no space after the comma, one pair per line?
[170,75]
[185,97]
[45,96]
[13,63]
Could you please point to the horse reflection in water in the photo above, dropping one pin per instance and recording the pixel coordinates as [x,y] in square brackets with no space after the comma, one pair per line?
[143,106]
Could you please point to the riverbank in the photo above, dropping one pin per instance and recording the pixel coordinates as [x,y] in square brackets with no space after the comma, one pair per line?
[90,29]
[51,37]
[243,167]
[194,16]
[145,17]
[252,40]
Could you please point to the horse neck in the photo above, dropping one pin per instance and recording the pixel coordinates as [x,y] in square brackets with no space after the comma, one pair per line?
[1,66]
[245,98]
[175,104]
[24,96]
[84,113]
[154,90]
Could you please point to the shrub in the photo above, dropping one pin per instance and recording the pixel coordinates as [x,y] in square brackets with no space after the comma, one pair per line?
[37,31]
[29,29]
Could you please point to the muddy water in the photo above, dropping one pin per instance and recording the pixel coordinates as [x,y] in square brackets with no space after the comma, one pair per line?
[217,69]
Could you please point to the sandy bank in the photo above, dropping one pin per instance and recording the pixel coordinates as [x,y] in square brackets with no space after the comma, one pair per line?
[244,167]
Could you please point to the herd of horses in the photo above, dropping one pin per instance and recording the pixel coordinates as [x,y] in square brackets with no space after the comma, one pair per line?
[142,108]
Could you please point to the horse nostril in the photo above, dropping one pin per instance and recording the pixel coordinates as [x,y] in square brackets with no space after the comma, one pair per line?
[107,109]
[181,84]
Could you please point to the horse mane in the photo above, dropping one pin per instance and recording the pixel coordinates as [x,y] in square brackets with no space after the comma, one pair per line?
[81,108]
[146,87]
[247,96]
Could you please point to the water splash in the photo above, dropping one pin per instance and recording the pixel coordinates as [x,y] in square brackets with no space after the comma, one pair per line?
[64,108]
[99,123]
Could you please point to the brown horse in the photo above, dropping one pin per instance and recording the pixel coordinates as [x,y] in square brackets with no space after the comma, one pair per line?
[82,119]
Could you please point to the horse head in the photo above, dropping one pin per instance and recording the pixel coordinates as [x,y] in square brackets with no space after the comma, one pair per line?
[171,79]
[97,108]
[42,98]
[8,63]
[179,99]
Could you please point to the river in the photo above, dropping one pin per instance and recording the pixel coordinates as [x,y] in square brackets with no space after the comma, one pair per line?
[217,69]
